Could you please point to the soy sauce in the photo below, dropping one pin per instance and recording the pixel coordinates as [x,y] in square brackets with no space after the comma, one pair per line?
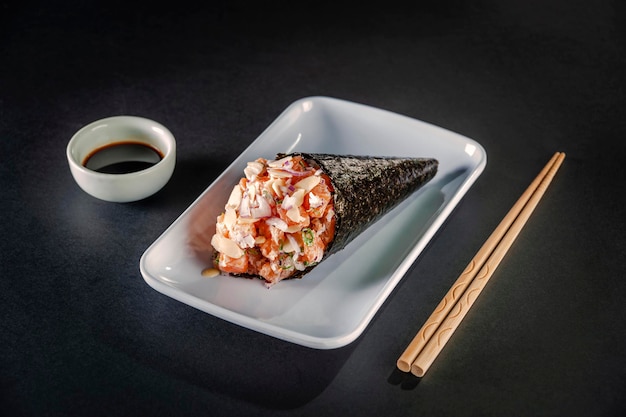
[123,157]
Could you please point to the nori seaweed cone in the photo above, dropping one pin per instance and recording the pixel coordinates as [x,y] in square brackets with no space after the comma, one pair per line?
[367,187]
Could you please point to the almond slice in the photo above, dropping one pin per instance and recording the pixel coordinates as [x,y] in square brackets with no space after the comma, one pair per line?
[235,198]
[308,183]
[226,246]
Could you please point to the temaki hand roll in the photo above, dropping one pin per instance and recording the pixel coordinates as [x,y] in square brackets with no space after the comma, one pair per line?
[287,215]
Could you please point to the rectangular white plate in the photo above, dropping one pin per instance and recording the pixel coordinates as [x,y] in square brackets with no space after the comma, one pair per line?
[332,305]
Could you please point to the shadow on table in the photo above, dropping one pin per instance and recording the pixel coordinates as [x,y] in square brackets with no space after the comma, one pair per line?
[405,380]
[218,356]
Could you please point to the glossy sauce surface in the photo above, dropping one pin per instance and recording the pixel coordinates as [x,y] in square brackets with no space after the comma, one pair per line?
[123,157]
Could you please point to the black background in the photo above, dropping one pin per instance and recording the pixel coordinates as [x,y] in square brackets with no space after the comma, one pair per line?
[82,334]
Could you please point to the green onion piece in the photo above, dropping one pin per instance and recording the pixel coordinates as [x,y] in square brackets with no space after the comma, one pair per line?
[308,236]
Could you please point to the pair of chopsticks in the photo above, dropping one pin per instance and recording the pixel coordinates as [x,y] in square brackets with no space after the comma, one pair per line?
[435,333]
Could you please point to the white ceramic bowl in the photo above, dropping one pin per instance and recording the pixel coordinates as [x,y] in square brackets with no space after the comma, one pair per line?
[123,187]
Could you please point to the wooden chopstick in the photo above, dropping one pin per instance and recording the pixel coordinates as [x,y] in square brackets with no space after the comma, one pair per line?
[458,288]
[430,340]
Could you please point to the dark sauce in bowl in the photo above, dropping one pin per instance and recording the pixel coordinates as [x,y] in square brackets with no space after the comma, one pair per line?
[123,157]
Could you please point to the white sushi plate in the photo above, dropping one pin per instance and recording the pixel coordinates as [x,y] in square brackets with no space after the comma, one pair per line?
[333,304]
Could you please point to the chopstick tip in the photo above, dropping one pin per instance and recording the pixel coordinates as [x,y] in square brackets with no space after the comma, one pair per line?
[403,365]
[417,371]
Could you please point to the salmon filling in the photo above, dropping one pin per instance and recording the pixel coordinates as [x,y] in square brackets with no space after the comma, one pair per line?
[279,219]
